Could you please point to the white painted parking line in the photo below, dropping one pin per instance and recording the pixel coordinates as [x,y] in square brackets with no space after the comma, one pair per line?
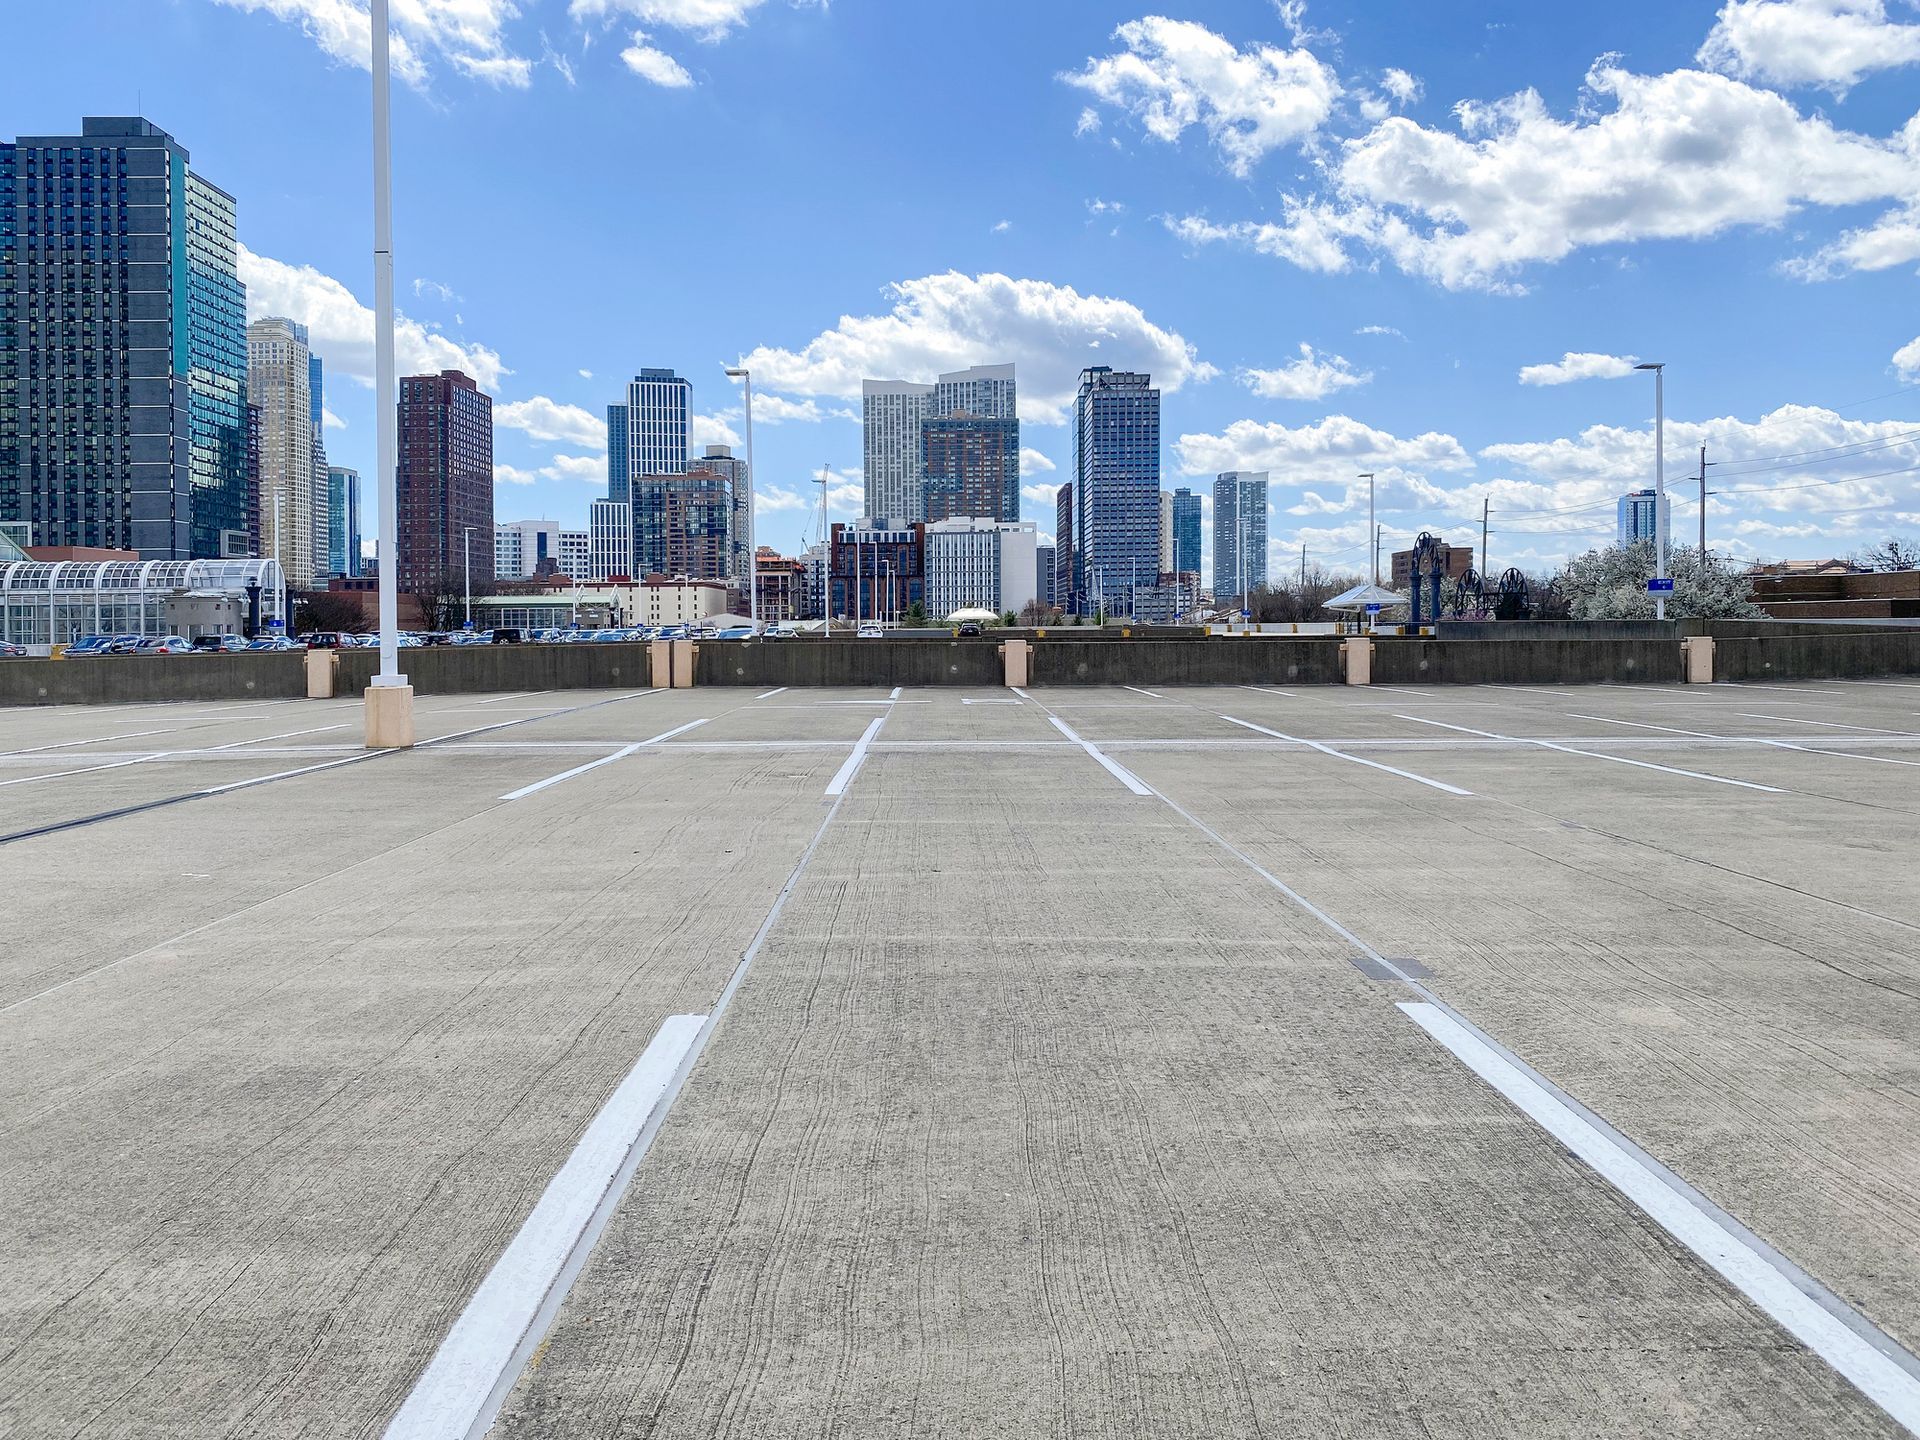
[1401,690]
[1138,691]
[894,694]
[966,701]
[1823,724]
[1119,772]
[843,777]
[539,785]
[1752,740]
[771,693]
[1597,755]
[1751,1271]
[102,740]
[1785,692]
[478,1353]
[1269,690]
[269,739]
[1889,684]
[517,695]
[1350,759]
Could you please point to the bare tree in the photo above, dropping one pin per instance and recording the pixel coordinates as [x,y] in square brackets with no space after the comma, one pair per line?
[326,610]
[1896,552]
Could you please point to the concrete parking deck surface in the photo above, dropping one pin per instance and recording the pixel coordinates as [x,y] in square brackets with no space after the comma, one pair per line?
[1192,1062]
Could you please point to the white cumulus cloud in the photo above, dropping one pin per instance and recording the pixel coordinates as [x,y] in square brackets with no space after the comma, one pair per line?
[1893,239]
[544,419]
[1329,449]
[1579,365]
[1684,155]
[1312,377]
[1907,359]
[342,328]
[1174,74]
[948,322]
[1828,43]
[470,35]
[654,65]
[1032,462]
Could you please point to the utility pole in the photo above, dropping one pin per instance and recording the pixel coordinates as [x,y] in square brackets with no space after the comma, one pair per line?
[1486,506]
[1303,567]
[1703,507]
[1373,530]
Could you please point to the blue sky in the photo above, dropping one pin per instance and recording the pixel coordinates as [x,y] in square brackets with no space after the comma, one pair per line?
[1410,238]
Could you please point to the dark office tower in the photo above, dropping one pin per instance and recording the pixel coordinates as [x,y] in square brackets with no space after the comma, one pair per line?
[254,534]
[445,482]
[1116,487]
[617,454]
[971,466]
[123,354]
[1063,594]
[1186,533]
[697,512]
[720,460]
[656,448]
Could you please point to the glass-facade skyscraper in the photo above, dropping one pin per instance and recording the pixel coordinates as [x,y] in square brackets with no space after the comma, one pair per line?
[123,357]
[1116,487]
[1186,532]
[1239,534]
[1638,516]
[343,521]
[656,416]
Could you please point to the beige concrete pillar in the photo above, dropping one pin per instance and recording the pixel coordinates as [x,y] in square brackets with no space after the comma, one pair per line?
[1696,652]
[1359,653]
[1015,656]
[660,664]
[323,673]
[389,717]
[684,652]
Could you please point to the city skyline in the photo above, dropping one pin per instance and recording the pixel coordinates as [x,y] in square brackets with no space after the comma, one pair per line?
[1479,358]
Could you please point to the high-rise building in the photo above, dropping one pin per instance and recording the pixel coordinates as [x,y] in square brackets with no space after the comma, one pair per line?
[609,540]
[894,416]
[1639,516]
[343,521]
[979,562]
[617,476]
[279,381]
[321,488]
[254,537]
[522,548]
[1186,533]
[891,413]
[877,569]
[783,587]
[445,482]
[1044,560]
[720,460]
[1166,533]
[576,554]
[1239,534]
[1063,591]
[1116,486]
[656,419]
[123,353]
[970,466]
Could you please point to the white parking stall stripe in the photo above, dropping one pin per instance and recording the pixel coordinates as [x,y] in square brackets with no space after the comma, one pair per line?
[1350,759]
[1138,691]
[1269,690]
[1741,1263]
[473,1360]
[1823,724]
[1597,755]
[771,693]
[102,740]
[1752,740]
[843,777]
[1119,772]
[539,785]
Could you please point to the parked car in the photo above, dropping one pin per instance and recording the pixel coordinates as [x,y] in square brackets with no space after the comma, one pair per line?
[869,631]
[969,629]
[736,632]
[91,645]
[164,645]
[272,642]
[123,644]
[508,637]
[781,632]
[327,640]
[218,644]
[11,650]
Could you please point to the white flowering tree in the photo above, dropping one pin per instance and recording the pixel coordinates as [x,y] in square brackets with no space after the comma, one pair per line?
[1611,584]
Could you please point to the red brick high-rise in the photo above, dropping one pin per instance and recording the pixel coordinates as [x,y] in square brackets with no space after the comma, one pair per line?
[445,482]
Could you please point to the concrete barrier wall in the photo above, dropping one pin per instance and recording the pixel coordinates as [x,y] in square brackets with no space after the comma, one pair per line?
[862,663]
[1816,656]
[1527,662]
[1673,630]
[135,679]
[1251,660]
[467,669]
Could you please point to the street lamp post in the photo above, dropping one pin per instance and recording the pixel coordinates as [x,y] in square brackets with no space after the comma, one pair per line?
[389,714]
[745,376]
[1373,541]
[467,547]
[1659,370]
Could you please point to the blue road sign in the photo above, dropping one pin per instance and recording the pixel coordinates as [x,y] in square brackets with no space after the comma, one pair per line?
[1246,614]
[467,626]
[1660,586]
[1373,609]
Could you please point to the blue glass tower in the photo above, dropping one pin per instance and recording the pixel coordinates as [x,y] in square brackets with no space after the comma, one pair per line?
[1186,532]
[123,355]
[1116,488]
[343,521]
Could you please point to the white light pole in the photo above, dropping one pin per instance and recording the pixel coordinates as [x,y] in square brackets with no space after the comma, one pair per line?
[1373,539]
[467,547]
[753,560]
[1659,482]
[394,719]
